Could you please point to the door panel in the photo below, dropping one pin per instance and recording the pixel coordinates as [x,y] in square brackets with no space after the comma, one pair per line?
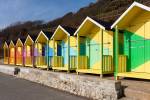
[59,49]
[134,47]
[94,56]
[138,49]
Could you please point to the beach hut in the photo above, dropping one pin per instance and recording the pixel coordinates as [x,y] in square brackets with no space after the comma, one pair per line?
[29,50]
[134,60]
[6,53]
[64,57]
[12,58]
[95,47]
[20,51]
[41,51]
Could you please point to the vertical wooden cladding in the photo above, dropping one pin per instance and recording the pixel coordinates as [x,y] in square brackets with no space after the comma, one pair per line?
[29,51]
[61,55]
[95,47]
[41,50]
[107,52]
[50,53]
[65,48]
[73,52]
[19,52]
[122,63]
[135,27]
[138,34]
[12,58]
[40,58]
[6,53]
[28,55]
[108,43]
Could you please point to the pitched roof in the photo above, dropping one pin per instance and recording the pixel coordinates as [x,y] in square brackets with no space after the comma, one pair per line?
[33,37]
[107,25]
[102,24]
[8,41]
[14,41]
[135,4]
[48,34]
[23,39]
[5,44]
[70,30]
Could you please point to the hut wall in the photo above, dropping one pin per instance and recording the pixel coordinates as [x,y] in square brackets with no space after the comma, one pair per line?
[137,43]
[12,56]
[73,52]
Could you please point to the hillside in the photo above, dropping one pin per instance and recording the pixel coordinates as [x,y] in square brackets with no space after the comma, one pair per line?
[107,10]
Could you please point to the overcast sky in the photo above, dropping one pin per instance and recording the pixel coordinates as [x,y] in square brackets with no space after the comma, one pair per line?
[12,11]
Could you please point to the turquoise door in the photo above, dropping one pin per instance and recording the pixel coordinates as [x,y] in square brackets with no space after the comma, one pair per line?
[93,52]
[64,53]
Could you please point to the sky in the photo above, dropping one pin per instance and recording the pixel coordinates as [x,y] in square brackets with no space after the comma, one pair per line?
[12,11]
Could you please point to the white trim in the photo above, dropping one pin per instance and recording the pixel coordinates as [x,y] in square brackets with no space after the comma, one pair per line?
[135,4]
[5,44]
[60,27]
[18,41]
[41,32]
[11,42]
[93,21]
[27,38]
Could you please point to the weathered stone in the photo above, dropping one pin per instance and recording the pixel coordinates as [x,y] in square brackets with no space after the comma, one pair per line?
[90,87]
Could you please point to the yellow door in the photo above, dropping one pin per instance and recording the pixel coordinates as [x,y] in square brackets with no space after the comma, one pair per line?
[12,55]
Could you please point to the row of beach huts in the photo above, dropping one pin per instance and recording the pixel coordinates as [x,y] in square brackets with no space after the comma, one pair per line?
[96,47]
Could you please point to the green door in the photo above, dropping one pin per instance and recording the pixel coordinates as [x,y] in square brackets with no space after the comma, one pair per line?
[134,48]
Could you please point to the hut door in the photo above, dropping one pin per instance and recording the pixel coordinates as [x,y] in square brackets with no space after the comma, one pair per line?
[19,52]
[93,52]
[39,49]
[82,46]
[12,55]
[43,50]
[64,52]
[28,51]
[94,56]
[6,52]
[134,48]
[137,55]
[59,49]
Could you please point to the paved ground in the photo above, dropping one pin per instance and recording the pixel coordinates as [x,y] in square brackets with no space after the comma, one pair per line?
[12,88]
[136,84]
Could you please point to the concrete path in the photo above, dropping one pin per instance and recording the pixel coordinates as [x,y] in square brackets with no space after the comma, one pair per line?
[12,88]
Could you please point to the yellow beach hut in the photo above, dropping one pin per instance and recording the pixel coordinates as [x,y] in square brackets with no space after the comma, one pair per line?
[41,51]
[12,58]
[20,51]
[95,47]
[134,61]
[29,51]
[64,45]
[6,53]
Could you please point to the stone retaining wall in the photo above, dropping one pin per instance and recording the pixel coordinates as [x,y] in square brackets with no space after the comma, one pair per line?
[90,87]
